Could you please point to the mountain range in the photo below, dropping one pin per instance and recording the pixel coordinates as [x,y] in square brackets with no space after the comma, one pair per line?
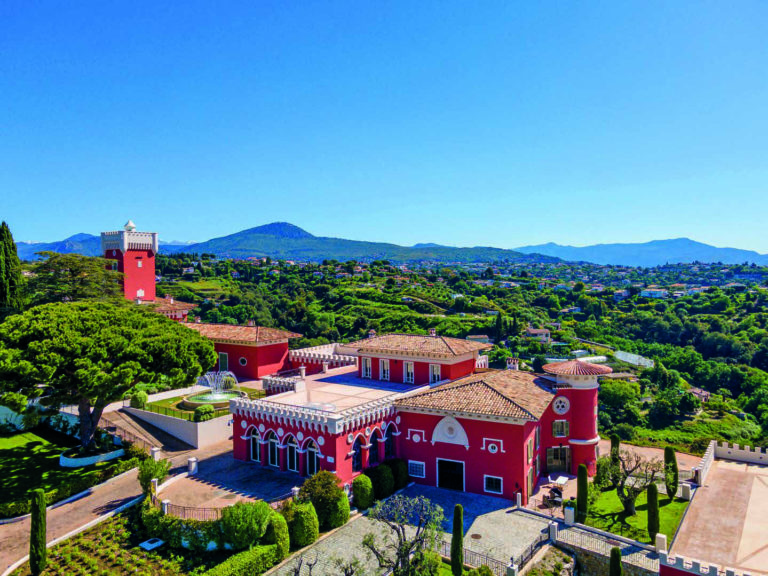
[283,240]
[648,254]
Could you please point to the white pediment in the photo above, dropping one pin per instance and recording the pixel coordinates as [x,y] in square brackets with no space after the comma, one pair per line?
[449,430]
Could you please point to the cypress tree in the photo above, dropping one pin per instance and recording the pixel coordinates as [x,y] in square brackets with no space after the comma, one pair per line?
[37,535]
[671,472]
[653,512]
[582,494]
[457,541]
[10,271]
[616,569]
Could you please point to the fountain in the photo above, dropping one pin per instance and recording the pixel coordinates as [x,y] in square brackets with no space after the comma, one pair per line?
[223,388]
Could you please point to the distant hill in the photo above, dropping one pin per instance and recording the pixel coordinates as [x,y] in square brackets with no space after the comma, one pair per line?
[86,244]
[286,241]
[648,254]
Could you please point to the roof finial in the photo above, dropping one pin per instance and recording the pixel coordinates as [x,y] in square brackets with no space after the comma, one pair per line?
[130,226]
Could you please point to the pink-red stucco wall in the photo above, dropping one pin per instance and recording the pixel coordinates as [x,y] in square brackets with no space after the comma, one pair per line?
[420,370]
[259,360]
[136,278]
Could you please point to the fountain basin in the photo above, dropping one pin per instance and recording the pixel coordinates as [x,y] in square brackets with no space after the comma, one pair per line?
[215,399]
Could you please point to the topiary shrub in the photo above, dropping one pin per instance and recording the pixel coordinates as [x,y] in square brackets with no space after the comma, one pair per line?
[139,400]
[340,513]
[671,472]
[427,563]
[615,567]
[323,491]
[203,413]
[362,491]
[149,469]
[277,534]
[602,473]
[653,512]
[257,560]
[399,469]
[582,494]
[457,541]
[37,534]
[303,525]
[382,479]
[245,523]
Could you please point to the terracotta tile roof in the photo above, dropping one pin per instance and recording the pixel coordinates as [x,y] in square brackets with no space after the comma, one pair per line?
[496,393]
[415,344]
[576,368]
[171,305]
[232,333]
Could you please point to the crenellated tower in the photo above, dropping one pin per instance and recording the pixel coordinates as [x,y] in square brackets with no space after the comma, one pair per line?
[134,255]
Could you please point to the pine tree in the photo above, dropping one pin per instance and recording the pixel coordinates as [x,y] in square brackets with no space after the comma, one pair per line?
[10,271]
[582,494]
[653,512]
[616,569]
[671,472]
[37,535]
[457,541]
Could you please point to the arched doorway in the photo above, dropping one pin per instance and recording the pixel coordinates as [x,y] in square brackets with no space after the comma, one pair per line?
[373,451]
[273,451]
[357,455]
[312,458]
[292,455]
[254,443]
[389,443]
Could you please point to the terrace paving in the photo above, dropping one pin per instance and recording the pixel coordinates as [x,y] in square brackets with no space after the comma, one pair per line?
[727,521]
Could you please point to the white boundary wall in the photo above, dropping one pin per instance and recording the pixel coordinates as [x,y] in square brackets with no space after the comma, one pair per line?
[700,472]
[197,434]
[755,455]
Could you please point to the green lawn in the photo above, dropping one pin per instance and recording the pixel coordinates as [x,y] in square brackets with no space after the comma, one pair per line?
[31,460]
[608,514]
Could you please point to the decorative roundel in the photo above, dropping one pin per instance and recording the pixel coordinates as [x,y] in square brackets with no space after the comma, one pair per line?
[280,431]
[243,361]
[350,438]
[492,448]
[320,440]
[561,405]
[243,423]
[397,420]
[261,428]
[300,436]
[367,431]
[416,438]
[450,431]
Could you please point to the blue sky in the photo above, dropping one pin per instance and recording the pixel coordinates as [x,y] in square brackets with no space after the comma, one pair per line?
[462,123]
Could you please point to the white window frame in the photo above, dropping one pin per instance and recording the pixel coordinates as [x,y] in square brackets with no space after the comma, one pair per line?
[417,463]
[565,424]
[139,263]
[412,379]
[140,293]
[367,368]
[434,378]
[530,450]
[485,484]
[384,370]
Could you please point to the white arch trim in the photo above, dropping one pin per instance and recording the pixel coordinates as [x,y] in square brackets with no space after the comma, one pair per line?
[248,434]
[449,431]
[391,423]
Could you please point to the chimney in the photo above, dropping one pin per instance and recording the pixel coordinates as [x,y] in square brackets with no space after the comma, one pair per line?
[432,332]
[371,333]
[513,363]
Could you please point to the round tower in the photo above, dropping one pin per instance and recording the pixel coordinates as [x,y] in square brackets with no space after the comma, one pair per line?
[576,401]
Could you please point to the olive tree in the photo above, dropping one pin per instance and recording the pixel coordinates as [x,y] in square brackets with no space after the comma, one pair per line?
[89,354]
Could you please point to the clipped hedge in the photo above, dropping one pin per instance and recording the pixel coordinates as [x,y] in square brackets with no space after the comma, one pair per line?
[257,560]
[245,523]
[323,491]
[175,531]
[139,400]
[340,513]
[382,479]
[203,413]
[277,534]
[362,491]
[399,472]
[303,525]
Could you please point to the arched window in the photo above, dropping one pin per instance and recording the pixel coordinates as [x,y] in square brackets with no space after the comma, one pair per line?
[312,464]
[357,455]
[274,450]
[389,443]
[255,445]
[293,460]
[373,451]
